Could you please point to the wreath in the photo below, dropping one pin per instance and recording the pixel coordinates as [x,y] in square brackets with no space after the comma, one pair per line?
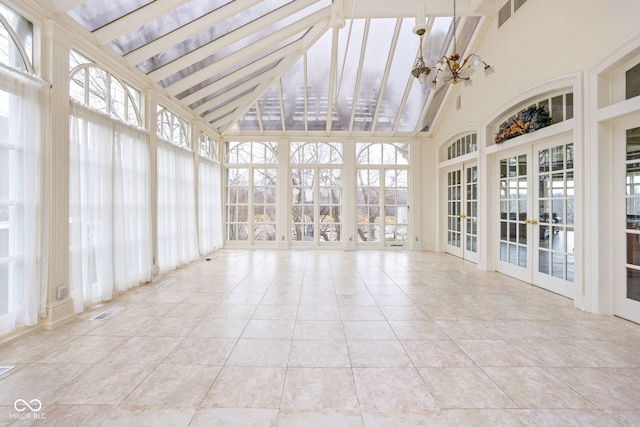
[526,121]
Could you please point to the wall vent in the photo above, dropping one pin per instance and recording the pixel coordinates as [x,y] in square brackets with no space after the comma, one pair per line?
[106,314]
[5,369]
[165,283]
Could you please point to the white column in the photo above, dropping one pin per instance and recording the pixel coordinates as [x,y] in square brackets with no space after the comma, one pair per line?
[283,192]
[349,196]
[56,44]
[415,196]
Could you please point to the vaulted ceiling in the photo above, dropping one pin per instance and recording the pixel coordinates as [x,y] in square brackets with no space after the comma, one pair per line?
[285,67]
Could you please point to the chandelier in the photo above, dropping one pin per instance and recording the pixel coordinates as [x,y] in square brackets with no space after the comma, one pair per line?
[449,69]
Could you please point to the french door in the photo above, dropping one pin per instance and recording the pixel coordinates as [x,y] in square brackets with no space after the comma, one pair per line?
[383,206]
[536,215]
[462,212]
[627,278]
[316,200]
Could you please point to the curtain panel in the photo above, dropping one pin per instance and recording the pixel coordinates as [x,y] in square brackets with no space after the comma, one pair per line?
[177,228]
[24,159]
[110,206]
[209,206]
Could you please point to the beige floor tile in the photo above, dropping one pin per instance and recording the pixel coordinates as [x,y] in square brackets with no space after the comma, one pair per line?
[378,354]
[615,388]
[85,349]
[436,354]
[626,418]
[190,310]
[174,385]
[231,311]
[358,300]
[219,328]
[269,329]
[571,418]
[149,416]
[170,327]
[233,417]
[33,347]
[466,387]
[318,330]
[328,299]
[64,415]
[246,387]
[465,330]
[536,388]
[201,351]
[274,353]
[392,388]
[141,349]
[404,418]
[319,354]
[494,353]
[368,330]
[361,313]
[489,417]
[38,381]
[310,312]
[327,417]
[416,330]
[281,299]
[557,353]
[319,388]
[276,312]
[103,384]
[406,312]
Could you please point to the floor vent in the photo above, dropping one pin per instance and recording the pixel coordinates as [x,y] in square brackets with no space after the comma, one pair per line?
[165,283]
[5,369]
[108,313]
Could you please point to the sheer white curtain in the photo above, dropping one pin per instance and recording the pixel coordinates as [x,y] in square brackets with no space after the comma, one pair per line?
[23,211]
[209,206]
[110,233]
[177,234]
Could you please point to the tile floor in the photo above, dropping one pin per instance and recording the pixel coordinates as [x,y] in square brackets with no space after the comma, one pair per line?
[329,338]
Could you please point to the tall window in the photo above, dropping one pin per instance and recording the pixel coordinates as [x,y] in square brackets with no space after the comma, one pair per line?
[251,191]
[209,195]
[316,192]
[383,189]
[177,234]
[110,200]
[23,250]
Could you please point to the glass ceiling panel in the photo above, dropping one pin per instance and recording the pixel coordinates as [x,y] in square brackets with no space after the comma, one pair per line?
[270,109]
[229,101]
[318,67]
[399,75]
[231,86]
[211,34]
[94,14]
[293,96]
[375,60]
[165,24]
[436,47]
[224,53]
[349,62]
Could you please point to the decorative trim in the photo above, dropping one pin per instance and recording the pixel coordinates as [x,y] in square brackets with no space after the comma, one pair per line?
[526,121]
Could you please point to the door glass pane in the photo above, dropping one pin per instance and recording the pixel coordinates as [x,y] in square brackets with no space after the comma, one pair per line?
[555,211]
[513,210]
[471,205]
[633,214]
[454,208]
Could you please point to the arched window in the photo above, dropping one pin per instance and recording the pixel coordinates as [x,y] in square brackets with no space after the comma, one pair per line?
[16,40]
[209,148]
[383,192]
[316,192]
[101,91]
[172,128]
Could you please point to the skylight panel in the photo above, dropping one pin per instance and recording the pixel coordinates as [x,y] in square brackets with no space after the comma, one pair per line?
[165,24]
[210,35]
[94,14]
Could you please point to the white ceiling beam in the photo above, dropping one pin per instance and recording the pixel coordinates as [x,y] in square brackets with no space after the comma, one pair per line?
[228,39]
[187,31]
[136,19]
[333,69]
[62,6]
[229,94]
[248,52]
[356,90]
